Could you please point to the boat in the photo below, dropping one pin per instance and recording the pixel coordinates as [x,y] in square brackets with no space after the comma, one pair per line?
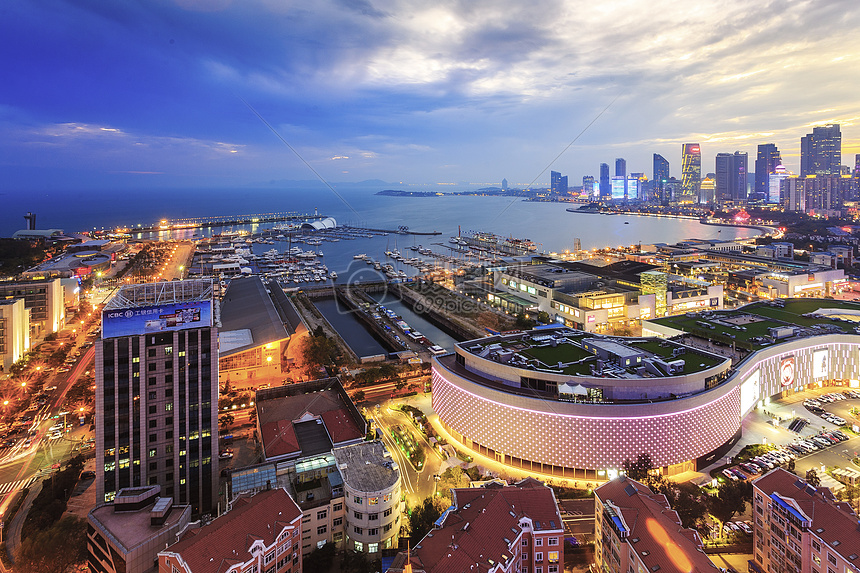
[362,256]
[626,222]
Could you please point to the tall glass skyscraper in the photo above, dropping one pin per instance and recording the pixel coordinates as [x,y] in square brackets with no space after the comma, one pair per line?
[691,172]
[731,180]
[766,160]
[605,187]
[661,176]
[821,151]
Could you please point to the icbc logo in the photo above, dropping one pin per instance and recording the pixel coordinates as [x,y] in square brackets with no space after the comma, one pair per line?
[786,371]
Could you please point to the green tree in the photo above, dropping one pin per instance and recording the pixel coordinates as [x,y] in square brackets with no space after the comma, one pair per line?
[358,396]
[57,549]
[523,322]
[320,559]
[225,420]
[812,478]
[640,469]
[423,517]
[730,499]
[453,477]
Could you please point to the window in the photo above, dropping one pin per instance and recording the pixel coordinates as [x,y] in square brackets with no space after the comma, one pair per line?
[552,556]
[552,541]
[357,499]
[816,545]
[153,452]
[337,507]
[168,350]
[538,541]
[321,514]
[151,395]
[168,407]
[337,537]
[358,515]
[525,557]
[373,501]
[153,423]
[152,380]
[387,528]
[525,542]
[372,547]
[553,569]
[387,512]
[321,529]
[831,558]
[373,531]
[359,546]
[153,409]
[151,352]
[337,522]
[153,437]
[373,516]
[151,367]
[538,557]
[357,529]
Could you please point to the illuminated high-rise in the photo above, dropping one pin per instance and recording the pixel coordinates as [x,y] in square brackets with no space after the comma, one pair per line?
[661,176]
[157,393]
[691,172]
[821,151]
[731,180]
[605,186]
[766,160]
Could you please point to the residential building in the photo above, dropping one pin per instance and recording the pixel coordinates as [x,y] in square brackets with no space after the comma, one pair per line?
[691,172]
[371,481]
[125,536]
[501,529]
[259,534]
[157,393]
[44,301]
[766,161]
[636,530]
[14,331]
[799,527]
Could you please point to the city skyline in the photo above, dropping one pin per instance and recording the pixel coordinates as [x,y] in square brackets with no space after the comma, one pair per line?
[168,94]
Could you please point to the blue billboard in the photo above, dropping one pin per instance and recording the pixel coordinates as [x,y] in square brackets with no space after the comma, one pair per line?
[156,318]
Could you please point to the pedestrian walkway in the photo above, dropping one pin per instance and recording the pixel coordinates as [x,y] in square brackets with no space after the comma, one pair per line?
[16,485]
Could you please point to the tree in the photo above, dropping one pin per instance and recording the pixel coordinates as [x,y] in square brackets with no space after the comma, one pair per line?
[55,550]
[225,420]
[731,498]
[850,494]
[423,517]
[358,396]
[812,478]
[640,469]
[453,477]
[523,322]
[320,559]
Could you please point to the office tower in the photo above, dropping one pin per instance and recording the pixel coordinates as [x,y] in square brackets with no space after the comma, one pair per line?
[707,189]
[821,151]
[661,176]
[605,187]
[588,185]
[621,167]
[31,221]
[855,183]
[766,160]
[632,187]
[157,393]
[504,184]
[558,183]
[691,172]
[775,184]
[731,180]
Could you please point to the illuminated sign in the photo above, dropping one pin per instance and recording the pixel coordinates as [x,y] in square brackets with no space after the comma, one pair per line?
[786,371]
[750,392]
[591,318]
[156,318]
[820,363]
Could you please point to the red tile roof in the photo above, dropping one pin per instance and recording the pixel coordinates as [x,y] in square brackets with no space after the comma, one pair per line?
[340,426]
[226,541]
[279,438]
[479,531]
[655,534]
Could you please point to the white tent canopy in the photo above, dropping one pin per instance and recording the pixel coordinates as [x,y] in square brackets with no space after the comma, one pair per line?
[576,389]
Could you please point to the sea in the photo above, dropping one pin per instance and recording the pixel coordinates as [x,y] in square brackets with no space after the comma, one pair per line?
[548,224]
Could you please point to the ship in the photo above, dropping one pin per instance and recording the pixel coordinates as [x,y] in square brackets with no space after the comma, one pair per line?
[508,246]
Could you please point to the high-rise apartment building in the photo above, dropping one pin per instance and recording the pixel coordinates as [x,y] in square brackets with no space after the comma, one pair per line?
[766,160]
[691,172]
[157,393]
[799,527]
[821,151]
[605,186]
[731,180]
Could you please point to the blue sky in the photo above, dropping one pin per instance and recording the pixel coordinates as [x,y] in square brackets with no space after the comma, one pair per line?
[103,94]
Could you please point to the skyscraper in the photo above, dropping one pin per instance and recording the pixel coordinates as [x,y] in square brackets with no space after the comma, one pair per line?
[821,151]
[504,184]
[588,185]
[766,160]
[157,393]
[661,176]
[621,167]
[558,183]
[605,187]
[731,180]
[691,172]
[855,188]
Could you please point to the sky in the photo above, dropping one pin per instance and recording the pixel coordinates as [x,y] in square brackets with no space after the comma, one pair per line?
[220,93]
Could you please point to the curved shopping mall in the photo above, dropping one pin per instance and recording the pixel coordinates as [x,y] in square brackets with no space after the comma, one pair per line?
[577,405]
